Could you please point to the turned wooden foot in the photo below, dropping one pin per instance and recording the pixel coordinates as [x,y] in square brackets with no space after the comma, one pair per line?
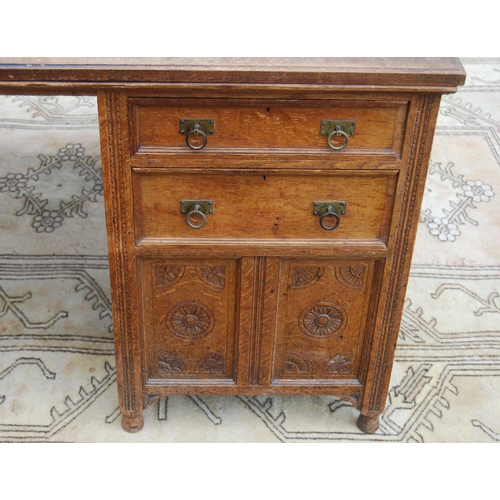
[132,424]
[368,424]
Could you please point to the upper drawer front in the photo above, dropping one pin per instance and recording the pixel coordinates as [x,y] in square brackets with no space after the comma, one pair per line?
[267,207]
[267,126]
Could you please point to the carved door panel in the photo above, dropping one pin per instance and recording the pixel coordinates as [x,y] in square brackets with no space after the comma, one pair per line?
[189,319]
[323,310]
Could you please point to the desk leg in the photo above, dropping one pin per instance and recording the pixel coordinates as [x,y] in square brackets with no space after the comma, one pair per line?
[397,269]
[117,177]
[368,423]
[132,424]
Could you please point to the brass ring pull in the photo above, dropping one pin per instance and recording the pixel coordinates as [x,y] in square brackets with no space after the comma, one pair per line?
[196,211]
[337,132]
[196,131]
[329,212]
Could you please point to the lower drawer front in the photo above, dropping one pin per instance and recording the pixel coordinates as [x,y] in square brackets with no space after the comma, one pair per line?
[271,206]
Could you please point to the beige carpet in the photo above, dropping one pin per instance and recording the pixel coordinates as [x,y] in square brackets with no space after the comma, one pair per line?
[57,369]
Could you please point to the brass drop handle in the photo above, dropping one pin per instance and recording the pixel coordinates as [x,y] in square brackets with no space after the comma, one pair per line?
[337,131]
[196,211]
[194,127]
[326,209]
[337,128]
[196,131]
[329,213]
[196,207]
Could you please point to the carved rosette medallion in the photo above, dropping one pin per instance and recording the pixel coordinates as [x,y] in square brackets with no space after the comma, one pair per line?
[211,363]
[297,363]
[341,363]
[168,362]
[190,321]
[212,277]
[351,277]
[322,320]
[167,276]
[304,277]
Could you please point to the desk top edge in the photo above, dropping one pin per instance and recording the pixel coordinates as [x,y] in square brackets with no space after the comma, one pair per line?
[421,72]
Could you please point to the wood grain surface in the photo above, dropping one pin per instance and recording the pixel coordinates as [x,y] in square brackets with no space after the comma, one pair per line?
[413,72]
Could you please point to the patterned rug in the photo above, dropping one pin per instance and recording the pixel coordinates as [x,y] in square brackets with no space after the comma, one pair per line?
[57,368]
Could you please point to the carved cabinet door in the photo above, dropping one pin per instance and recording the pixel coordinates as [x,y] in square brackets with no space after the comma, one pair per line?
[188,319]
[254,321]
[323,308]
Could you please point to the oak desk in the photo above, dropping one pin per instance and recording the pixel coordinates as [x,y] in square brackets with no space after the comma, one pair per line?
[261,216]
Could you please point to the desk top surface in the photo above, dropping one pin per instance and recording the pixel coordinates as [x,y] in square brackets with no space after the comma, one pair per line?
[434,74]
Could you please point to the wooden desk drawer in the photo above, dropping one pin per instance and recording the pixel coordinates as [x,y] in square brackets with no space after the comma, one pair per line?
[266,126]
[270,206]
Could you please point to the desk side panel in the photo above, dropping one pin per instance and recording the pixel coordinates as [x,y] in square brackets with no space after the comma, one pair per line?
[119,220]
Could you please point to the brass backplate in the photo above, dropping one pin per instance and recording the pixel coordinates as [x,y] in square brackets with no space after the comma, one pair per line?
[328,126]
[320,207]
[206,206]
[207,125]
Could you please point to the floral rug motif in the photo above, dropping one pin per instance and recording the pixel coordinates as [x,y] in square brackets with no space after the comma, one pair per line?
[468,195]
[29,187]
